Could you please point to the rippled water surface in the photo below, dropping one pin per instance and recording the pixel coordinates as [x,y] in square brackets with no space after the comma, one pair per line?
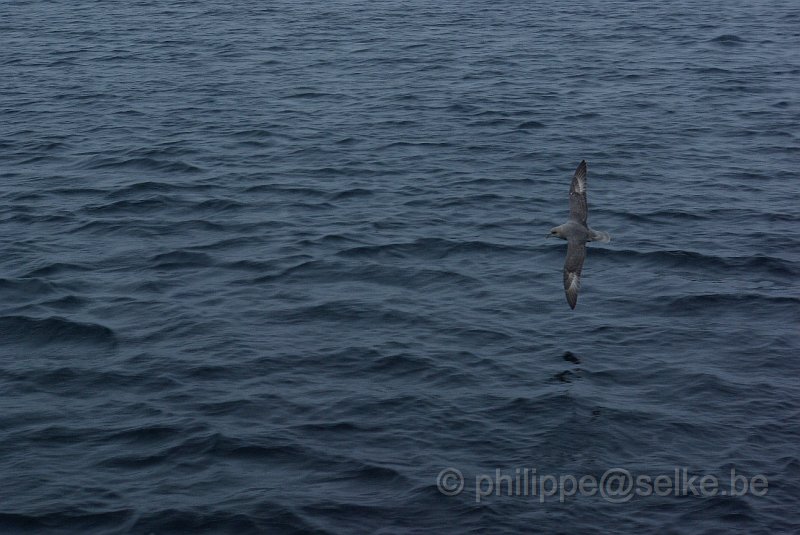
[270,267]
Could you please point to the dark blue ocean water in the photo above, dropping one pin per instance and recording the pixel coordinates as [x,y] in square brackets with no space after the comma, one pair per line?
[270,267]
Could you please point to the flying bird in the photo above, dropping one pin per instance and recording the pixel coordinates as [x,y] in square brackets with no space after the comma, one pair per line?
[577,232]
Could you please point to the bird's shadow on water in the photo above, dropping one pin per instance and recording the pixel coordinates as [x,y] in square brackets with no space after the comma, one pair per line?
[570,374]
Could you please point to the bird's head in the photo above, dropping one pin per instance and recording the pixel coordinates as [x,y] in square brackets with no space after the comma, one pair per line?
[555,232]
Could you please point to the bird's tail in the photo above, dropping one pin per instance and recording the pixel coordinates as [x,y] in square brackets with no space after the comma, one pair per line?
[599,235]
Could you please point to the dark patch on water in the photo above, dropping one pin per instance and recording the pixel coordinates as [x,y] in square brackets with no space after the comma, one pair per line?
[728,40]
[52,330]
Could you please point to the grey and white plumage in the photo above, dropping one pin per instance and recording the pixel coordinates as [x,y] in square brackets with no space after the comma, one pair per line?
[577,232]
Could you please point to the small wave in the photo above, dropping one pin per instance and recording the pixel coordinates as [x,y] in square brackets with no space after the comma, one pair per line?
[366,473]
[398,122]
[727,39]
[213,520]
[462,108]
[712,70]
[155,203]
[331,427]
[350,311]
[181,259]
[162,150]
[53,330]
[78,521]
[485,74]
[728,509]
[418,144]
[26,287]
[218,205]
[68,302]
[336,240]
[253,133]
[399,365]
[150,186]
[349,140]
[496,121]
[659,216]
[149,434]
[435,248]
[706,301]
[200,442]
[481,335]
[148,164]
[483,181]
[527,125]
[255,266]
[310,95]
[466,200]
[400,404]
[585,115]
[351,193]
[283,189]
[55,268]
[372,472]
[700,260]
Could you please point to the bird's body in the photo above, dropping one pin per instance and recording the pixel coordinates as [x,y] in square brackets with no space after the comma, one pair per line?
[577,232]
[573,230]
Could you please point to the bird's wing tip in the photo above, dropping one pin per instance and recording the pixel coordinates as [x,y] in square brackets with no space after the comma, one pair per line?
[580,171]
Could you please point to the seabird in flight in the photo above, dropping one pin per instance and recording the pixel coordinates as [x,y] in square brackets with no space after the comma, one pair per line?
[577,232]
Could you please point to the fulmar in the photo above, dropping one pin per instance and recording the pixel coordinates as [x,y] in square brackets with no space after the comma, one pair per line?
[577,232]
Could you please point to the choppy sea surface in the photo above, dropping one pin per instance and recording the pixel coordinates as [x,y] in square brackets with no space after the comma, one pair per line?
[271,267]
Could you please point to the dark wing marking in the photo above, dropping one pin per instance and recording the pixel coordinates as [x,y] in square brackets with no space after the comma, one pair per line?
[577,195]
[576,254]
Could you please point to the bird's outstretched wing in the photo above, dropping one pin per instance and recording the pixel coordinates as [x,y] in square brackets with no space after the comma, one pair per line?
[577,195]
[576,254]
